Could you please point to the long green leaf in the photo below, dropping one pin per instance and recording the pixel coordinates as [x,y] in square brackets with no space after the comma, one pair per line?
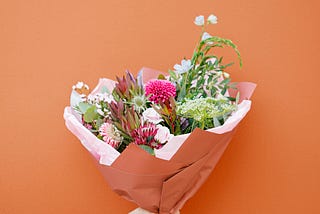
[147,149]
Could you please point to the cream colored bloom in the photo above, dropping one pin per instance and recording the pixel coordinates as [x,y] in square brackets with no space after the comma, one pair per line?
[107,130]
[212,19]
[199,20]
[163,134]
[152,116]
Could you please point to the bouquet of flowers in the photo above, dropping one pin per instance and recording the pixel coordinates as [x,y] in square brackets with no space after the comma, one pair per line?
[156,137]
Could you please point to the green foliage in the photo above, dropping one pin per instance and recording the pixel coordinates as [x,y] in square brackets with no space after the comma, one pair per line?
[220,42]
[147,149]
[90,114]
[204,78]
[126,88]
[83,107]
[124,119]
[125,112]
[206,112]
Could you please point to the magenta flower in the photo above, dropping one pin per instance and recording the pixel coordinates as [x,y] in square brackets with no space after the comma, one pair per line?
[160,90]
[145,135]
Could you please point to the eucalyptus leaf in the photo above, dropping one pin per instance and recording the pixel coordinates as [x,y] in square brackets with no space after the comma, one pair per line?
[147,149]
[83,107]
[91,114]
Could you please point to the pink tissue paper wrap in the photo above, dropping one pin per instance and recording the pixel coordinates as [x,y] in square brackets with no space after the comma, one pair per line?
[164,182]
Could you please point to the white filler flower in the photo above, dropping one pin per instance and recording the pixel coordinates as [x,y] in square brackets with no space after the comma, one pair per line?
[184,67]
[199,20]
[205,36]
[212,19]
[80,85]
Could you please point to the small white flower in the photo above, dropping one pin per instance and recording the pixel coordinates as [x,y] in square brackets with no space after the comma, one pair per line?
[205,36]
[110,133]
[100,112]
[79,85]
[105,97]
[184,67]
[152,116]
[226,75]
[109,99]
[90,98]
[199,20]
[212,19]
[99,97]
[163,134]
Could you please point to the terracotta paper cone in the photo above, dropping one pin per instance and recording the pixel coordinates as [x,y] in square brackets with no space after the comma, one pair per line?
[154,184]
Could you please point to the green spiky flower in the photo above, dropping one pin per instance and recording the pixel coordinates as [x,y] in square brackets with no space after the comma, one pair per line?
[139,102]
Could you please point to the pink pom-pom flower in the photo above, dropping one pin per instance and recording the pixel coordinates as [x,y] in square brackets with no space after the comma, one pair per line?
[160,90]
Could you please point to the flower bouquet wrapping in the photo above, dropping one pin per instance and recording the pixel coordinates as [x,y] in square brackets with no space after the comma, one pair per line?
[157,137]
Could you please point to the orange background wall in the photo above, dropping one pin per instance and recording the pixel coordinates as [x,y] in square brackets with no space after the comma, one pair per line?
[273,162]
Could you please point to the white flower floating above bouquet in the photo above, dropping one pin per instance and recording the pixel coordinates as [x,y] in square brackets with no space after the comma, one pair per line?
[184,67]
[212,19]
